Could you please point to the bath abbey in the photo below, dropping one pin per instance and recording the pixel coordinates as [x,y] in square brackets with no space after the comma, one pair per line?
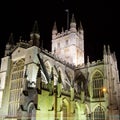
[37,84]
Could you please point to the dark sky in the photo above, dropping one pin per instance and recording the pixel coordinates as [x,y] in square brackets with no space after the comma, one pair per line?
[97,18]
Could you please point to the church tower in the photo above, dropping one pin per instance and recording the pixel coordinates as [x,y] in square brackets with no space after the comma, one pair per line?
[69,44]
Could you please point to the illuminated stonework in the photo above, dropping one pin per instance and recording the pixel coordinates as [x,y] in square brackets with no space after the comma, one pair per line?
[69,45]
[36,84]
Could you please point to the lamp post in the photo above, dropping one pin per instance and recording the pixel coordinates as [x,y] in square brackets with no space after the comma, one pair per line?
[104,90]
[101,92]
[110,109]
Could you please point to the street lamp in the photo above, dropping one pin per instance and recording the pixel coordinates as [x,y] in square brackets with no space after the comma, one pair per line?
[104,90]
[110,104]
[101,91]
[101,94]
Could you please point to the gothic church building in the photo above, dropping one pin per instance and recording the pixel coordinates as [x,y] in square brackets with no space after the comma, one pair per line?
[36,84]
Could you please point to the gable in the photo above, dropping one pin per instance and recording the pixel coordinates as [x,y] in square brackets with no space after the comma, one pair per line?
[18,53]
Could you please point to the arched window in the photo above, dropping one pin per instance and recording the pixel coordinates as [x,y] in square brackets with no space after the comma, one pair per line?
[31,111]
[97,85]
[16,86]
[99,114]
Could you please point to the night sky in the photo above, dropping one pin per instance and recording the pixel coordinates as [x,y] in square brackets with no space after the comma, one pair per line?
[97,18]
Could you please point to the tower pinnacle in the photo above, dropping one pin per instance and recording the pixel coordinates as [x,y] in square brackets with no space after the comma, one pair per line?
[35,27]
[73,24]
[54,31]
[34,36]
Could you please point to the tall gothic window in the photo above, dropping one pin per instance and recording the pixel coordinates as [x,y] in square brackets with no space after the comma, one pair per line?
[99,114]
[16,86]
[97,85]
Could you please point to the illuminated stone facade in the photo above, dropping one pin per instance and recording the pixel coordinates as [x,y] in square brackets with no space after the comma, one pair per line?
[39,85]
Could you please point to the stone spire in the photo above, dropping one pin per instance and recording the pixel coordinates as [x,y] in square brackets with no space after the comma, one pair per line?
[10,41]
[114,56]
[104,50]
[35,36]
[73,19]
[62,30]
[104,54]
[109,50]
[81,28]
[115,60]
[54,31]
[81,32]
[73,24]
[109,54]
[9,45]
[88,61]
[35,27]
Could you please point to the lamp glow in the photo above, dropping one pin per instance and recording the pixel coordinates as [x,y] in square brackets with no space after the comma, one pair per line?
[104,89]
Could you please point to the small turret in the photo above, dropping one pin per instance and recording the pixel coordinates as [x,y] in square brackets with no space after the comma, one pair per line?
[81,28]
[73,24]
[88,61]
[54,31]
[109,53]
[104,54]
[104,50]
[35,36]
[115,60]
[62,30]
[81,35]
[114,56]
[9,45]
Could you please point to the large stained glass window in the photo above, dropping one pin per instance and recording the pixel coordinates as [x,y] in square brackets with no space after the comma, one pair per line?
[97,85]
[16,86]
